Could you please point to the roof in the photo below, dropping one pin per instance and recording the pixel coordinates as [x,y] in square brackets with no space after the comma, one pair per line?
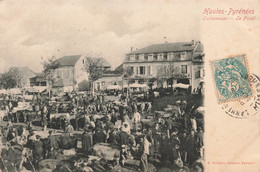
[24,71]
[104,62]
[68,60]
[166,47]
[72,60]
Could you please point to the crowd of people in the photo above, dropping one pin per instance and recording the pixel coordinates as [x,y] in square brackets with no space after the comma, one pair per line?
[175,140]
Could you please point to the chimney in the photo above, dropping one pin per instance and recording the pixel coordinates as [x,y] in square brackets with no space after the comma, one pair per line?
[131,49]
[192,42]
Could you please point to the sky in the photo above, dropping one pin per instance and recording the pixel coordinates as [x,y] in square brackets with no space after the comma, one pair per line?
[32,30]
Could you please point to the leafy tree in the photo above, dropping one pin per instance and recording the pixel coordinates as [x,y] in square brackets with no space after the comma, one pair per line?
[49,67]
[11,78]
[94,67]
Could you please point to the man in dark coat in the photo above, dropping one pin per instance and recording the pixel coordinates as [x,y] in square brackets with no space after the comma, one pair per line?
[113,137]
[200,141]
[87,140]
[37,150]
[191,147]
[99,137]
[52,145]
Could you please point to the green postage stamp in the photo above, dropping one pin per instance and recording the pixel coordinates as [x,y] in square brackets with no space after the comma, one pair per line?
[231,77]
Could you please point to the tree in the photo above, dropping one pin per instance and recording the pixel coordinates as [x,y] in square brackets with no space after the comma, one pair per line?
[167,72]
[94,67]
[11,78]
[49,67]
[128,72]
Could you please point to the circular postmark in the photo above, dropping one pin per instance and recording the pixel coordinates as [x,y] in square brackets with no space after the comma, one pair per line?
[244,108]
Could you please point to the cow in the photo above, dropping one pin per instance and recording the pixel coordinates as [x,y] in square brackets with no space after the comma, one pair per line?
[3,113]
[14,157]
[106,152]
[148,123]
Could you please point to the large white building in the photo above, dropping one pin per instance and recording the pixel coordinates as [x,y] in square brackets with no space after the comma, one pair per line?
[167,64]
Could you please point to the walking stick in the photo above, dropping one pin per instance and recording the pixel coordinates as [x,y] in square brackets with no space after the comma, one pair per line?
[31,163]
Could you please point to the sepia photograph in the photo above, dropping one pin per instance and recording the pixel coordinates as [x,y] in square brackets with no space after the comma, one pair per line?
[92,86]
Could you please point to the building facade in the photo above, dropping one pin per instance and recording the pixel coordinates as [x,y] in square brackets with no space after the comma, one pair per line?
[70,73]
[108,79]
[163,65]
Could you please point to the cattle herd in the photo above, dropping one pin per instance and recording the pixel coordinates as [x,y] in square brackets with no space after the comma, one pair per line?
[81,132]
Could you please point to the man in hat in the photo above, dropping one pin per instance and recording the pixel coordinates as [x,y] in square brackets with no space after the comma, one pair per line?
[69,128]
[183,145]
[136,120]
[169,124]
[193,123]
[87,140]
[200,141]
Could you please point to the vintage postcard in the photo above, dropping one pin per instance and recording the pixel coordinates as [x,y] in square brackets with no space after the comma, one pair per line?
[109,85]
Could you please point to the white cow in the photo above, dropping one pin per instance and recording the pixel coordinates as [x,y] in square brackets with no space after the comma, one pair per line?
[3,113]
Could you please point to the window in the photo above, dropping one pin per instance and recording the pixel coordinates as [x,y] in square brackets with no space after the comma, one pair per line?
[170,56]
[132,57]
[183,55]
[142,70]
[183,68]
[150,57]
[160,56]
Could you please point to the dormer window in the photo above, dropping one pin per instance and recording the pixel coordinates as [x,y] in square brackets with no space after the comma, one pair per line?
[83,61]
[170,56]
[160,56]
[150,57]
[183,55]
[132,57]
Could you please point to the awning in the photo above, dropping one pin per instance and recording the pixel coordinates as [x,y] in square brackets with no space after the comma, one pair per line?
[30,90]
[135,85]
[40,88]
[15,91]
[180,85]
[112,87]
